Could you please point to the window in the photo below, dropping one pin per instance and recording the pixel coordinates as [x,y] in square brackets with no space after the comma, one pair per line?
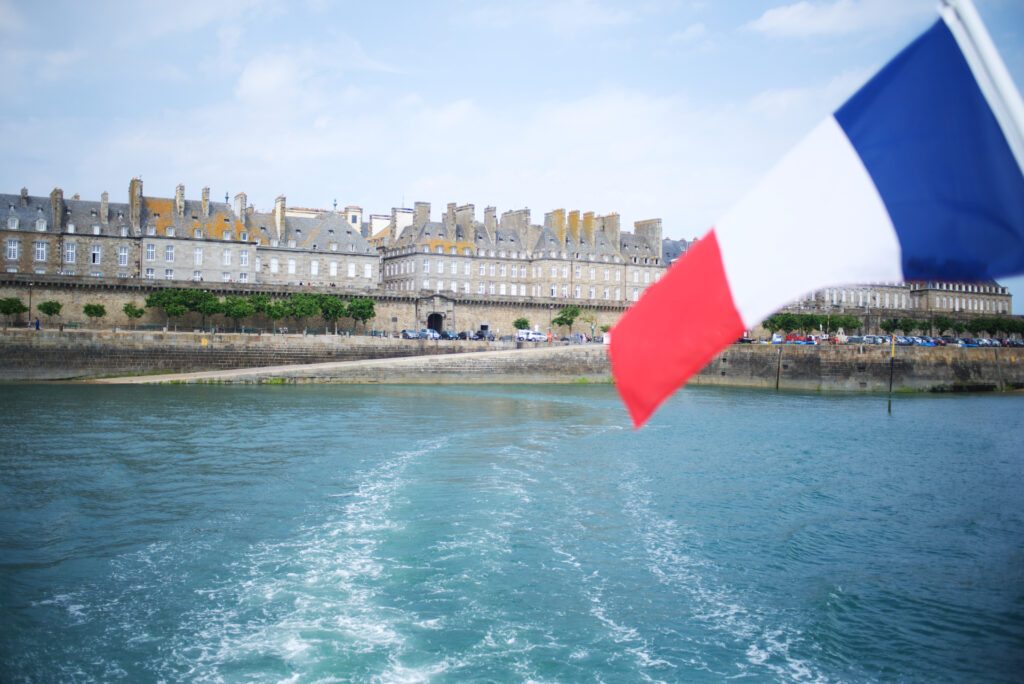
[96,255]
[228,235]
[122,255]
[150,230]
[618,277]
[426,266]
[149,274]
[243,258]
[197,256]
[636,276]
[465,269]
[244,237]
[168,274]
[41,224]
[332,269]
[226,257]
[593,273]
[197,276]
[504,271]
[647,279]
[40,250]
[170,231]
[565,271]
[490,270]
[71,227]
[480,289]
[12,223]
[150,252]
[124,231]
[576,292]
[197,233]
[13,249]
[483,269]
[69,253]
[592,292]
[291,266]
[426,283]
[352,272]
[502,288]
[367,271]
[554,290]
[314,267]
[225,277]
[243,277]
[354,219]
[273,265]
[440,268]
[169,253]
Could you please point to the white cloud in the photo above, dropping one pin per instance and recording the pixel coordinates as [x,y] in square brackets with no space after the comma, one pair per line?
[557,16]
[804,18]
[690,34]
[818,100]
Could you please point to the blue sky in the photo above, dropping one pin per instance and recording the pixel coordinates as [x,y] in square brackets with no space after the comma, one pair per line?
[669,108]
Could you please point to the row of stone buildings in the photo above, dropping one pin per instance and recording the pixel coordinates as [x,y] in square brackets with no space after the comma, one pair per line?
[573,256]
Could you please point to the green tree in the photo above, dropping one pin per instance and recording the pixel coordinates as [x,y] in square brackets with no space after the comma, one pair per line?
[133,312]
[773,323]
[567,316]
[889,325]
[94,311]
[908,325]
[275,311]
[958,327]
[10,307]
[605,328]
[848,322]
[50,308]
[787,322]
[207,305]
[361,310]
[521,324]
[238,308]
[301,306]
[942,324]
[332,308]
[171,302]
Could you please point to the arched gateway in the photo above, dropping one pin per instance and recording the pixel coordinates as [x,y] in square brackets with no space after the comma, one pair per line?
[435,321]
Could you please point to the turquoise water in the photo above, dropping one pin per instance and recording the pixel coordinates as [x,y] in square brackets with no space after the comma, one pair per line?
[452,534]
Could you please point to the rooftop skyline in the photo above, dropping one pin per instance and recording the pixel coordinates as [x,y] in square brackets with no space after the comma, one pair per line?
[666,108]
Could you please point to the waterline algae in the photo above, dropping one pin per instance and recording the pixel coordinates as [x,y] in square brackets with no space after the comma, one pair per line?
[201,533]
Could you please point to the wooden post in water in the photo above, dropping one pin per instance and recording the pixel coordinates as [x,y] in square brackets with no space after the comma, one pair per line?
[892,363]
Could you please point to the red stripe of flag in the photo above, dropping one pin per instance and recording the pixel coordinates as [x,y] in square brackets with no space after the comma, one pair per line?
[678,325]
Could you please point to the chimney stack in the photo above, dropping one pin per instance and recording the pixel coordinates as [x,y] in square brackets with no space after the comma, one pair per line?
[555,222]
[135,203]
[279,205]
[421,214]
[491,222]
[57,209]
[449,217]
[588,227]
[104,207]
[574,226]
[464,218]
[240,206]
[179,199]
[206,203]
[24,197]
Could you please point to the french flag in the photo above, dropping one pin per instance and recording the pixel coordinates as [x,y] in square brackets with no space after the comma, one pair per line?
[919,175]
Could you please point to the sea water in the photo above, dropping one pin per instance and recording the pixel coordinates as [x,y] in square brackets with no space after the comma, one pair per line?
[496,533]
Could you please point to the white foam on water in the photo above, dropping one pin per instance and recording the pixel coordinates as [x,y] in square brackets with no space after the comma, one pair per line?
[672,558]
[314,596]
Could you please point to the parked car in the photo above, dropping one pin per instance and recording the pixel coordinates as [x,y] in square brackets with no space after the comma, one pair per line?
[449,335]
[429,334]
[466,335]
[410,335]
[483,336]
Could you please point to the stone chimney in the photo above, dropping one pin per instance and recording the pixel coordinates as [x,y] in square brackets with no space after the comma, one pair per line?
[574,226]
[23,200]
[612,231]
[206,203]
[135,203]
[105,208]
[179,199]
[555,222]
[240,206]
[491,222]
[464,218]
[588,227]
[650,232]
[449,217]
[421,214]
[279,205]
[57,209]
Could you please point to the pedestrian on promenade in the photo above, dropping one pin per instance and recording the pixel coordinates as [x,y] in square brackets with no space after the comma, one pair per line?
[37,324]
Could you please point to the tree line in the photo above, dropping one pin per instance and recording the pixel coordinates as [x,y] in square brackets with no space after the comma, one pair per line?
[937,325]
[175,304]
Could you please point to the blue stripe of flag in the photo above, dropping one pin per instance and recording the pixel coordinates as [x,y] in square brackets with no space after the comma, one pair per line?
[941,163]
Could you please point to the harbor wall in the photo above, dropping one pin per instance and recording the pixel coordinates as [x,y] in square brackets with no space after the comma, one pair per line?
[78,354]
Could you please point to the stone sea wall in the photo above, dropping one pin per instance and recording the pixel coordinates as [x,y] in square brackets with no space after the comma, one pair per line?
[71,354]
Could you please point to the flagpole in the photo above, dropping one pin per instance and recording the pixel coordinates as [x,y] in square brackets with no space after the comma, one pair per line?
[988,68]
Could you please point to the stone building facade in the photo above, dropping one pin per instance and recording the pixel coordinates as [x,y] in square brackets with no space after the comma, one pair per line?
[573,257]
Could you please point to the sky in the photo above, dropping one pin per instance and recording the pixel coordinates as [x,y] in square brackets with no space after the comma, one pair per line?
[648,108]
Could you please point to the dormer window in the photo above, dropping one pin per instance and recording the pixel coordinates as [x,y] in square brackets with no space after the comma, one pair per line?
[150,230]
[124,231]
[334,246]
[96,229]
[228,235]
[40,224]
[273,242]
[197,234]
[120,214]
[439,249]
[314,246]
[92,212]
[291,243]
[170,231]
[71,227]
[244,237]
[12,223]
